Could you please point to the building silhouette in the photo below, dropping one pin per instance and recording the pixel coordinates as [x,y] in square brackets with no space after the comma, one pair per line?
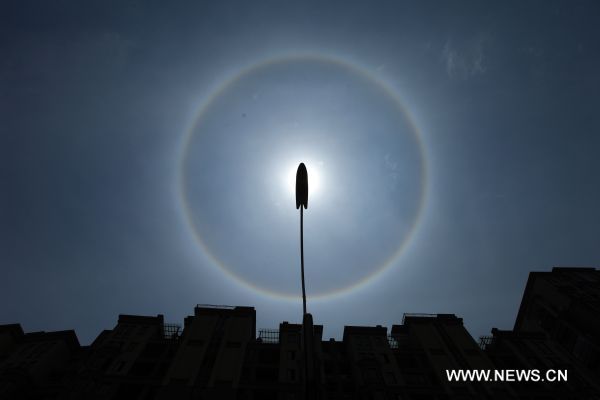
[218,354]
[557,327]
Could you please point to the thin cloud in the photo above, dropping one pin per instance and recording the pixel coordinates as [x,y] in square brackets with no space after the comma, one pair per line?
[464,60]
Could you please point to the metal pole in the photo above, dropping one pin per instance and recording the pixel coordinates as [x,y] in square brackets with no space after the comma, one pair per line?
[307,324]
[302,260]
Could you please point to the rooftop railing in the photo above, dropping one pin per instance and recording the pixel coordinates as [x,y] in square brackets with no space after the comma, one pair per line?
[392,341]
[268,335]
[222,306]
[171,331]
[485,341]
[420,315]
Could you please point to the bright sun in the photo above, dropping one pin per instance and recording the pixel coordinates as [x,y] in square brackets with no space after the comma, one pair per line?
[314,179]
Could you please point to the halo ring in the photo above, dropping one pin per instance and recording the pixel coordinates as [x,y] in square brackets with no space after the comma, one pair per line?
[230,82]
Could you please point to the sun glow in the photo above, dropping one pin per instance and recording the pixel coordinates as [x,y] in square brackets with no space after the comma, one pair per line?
[315,179]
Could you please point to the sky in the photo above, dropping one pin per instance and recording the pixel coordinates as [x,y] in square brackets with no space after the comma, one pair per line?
[148,151]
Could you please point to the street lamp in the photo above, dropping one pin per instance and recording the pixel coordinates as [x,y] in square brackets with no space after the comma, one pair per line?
[308,336]
[302,203]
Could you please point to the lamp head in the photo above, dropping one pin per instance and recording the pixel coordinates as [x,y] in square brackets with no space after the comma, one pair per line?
[301,186]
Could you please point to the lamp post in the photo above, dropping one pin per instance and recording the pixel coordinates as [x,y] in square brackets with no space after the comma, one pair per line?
[308,336]
[302,203]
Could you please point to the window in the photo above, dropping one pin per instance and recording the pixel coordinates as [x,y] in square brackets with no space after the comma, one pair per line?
[153,350]
[269,356]
[293,338]
[390,378]
[291,374]
[371,375]
[472,352]
[266,374]
[364,343]
[406,361]
[415,379]
[435,351]
[379,396]
[120,366]
[124,330]
[142,369]
[115,344]
[461,390]
[131,346]
[344,368]
[265,395]
[129,391]
[328,367]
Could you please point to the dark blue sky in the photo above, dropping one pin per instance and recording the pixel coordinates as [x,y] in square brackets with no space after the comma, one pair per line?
[484,170]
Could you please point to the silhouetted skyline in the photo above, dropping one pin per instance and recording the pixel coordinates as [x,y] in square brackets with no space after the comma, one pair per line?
[145,153]
[552,353]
